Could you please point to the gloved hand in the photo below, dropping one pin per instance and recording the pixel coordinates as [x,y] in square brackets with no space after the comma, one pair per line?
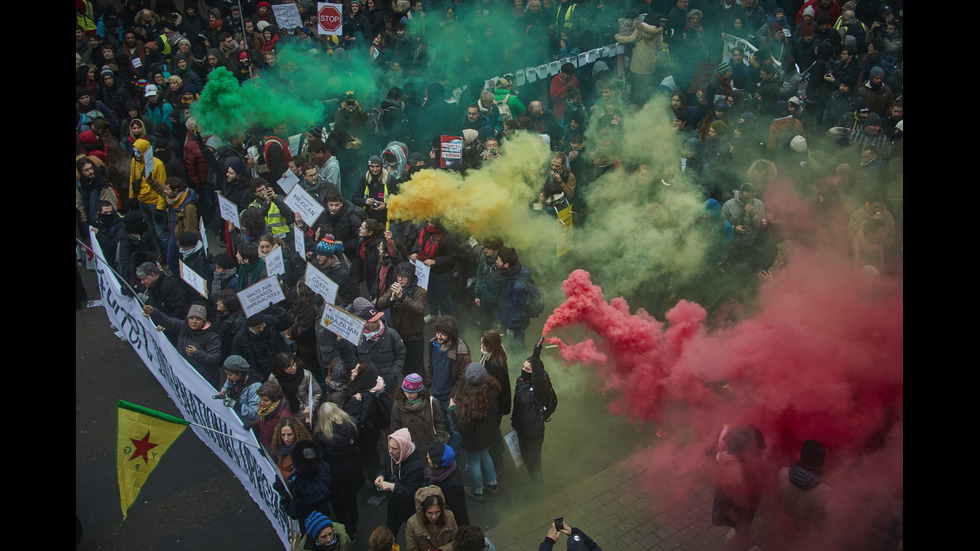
[538,347]
[229,402]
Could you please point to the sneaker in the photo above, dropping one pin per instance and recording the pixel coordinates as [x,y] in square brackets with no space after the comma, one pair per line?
[490,489]
[376,499]
[428,318]
[478,497]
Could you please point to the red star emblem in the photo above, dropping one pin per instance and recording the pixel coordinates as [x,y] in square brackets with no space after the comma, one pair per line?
[142,446]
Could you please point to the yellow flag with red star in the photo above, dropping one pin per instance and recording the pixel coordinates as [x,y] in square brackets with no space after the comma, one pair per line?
[142,437]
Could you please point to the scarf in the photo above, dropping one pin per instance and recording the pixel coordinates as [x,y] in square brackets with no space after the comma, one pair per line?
[218,23]
[176,201]
[198,247]
[375,335]
[290,386]
[436,475]
[266,412]
[429,242]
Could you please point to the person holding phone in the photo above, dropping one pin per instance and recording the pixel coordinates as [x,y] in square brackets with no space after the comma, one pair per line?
[577,539]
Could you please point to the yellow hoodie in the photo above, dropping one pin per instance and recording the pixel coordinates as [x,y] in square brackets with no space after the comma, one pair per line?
[147,193]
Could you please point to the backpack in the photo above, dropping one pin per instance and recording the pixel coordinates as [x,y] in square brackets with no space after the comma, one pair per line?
[375,124]
[548,409]
[505,114]
[535,300]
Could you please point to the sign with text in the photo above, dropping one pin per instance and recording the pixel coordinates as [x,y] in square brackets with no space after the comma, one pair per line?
[342,323]
[229,210]
[452,151]
[320,283]
[235,446]
[274,264]
[287,16]
[422,273]
[193,279]
[288,181]
[305,204]
[260,296]
[329,18]
[299,241]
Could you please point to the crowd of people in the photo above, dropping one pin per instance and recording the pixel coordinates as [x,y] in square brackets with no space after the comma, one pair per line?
[815,98]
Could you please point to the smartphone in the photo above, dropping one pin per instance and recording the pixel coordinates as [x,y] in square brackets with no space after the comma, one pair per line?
[560,523]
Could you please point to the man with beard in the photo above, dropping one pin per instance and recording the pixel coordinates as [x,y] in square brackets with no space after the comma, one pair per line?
[182,217]
[94,188]
[878,95]
[448,357]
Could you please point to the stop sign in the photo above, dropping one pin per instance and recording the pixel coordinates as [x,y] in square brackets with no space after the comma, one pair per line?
[330,19]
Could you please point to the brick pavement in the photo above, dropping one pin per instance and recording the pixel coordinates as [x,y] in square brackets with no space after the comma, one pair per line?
[613,507]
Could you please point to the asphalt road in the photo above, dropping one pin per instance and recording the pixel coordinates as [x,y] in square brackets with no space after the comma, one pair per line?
[192,501]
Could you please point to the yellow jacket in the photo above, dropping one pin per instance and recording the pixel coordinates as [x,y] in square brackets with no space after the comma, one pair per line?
[147,194]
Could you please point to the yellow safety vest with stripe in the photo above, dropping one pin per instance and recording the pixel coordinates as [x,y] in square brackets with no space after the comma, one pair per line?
[568,24]
[277,223]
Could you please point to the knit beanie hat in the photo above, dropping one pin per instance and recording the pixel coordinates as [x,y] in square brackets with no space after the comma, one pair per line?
[476,374]
[197,311]
[798,144]
[236,364]
[441,454]
[412,383]
[315,523]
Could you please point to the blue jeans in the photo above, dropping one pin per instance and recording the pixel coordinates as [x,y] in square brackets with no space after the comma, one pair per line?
[480,466]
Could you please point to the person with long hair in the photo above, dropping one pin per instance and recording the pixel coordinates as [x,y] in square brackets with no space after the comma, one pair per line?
[271,409]
[381,538]
[474,408]
[494,359]
[336,435]
[530,393]
[416,410]
[296,385]
[289,431]
[433,526]
[362,405]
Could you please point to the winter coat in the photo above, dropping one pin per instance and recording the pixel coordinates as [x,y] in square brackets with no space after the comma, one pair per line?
[420,534]
[303,394]
[527,418]
[207,358]
[423,420]
[344,457]
[265,427]
[512,312]
[408,475]
[407,312]
[387,353]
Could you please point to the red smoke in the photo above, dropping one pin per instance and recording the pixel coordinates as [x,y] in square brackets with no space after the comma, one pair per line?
[821,359]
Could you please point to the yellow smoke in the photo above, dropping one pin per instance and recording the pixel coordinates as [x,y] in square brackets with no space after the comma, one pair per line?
[493,200]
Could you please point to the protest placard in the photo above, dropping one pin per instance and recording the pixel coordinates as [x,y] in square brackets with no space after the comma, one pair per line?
[260,296]
[229,210]
[422,273]
[287,16]
[320,283]
[343,324]
[274,264]
[305,204]
[194,279]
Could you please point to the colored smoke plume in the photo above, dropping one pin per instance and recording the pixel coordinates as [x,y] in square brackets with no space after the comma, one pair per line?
[493,200]
[294,95]
[822,359]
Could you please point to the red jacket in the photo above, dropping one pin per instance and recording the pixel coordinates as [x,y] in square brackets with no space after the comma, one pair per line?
[194,163]
[559,95]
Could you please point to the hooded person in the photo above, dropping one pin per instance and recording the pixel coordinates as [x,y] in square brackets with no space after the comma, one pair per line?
[473,409]
[443,471]
[433,526]
[309,485]
[322,534]
[531,391]
[401,476]
[803,496]
[148,189]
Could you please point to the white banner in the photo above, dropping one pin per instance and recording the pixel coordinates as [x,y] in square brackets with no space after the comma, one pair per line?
[193,397]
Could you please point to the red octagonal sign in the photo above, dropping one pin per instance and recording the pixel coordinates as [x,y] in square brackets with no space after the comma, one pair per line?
[330,19]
